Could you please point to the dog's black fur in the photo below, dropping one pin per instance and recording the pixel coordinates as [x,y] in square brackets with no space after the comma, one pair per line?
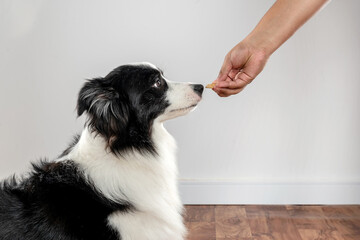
[56,200]
[122,106]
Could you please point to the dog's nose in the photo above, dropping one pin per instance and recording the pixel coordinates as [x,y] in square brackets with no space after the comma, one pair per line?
[198,88]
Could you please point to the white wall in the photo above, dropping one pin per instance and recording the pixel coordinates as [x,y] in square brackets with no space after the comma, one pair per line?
[292,136]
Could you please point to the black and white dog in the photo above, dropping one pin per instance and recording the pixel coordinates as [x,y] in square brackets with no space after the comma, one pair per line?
[118,180]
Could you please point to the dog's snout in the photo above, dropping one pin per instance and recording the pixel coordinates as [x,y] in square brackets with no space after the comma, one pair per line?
[198,88]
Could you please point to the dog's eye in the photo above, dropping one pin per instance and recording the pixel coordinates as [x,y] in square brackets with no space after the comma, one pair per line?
[157,83]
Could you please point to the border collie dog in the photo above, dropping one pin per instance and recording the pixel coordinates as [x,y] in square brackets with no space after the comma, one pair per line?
[118,179]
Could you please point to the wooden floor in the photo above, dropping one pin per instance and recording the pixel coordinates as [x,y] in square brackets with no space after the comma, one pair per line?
[273,222]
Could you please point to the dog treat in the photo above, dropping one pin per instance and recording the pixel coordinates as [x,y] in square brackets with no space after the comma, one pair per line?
[212,85]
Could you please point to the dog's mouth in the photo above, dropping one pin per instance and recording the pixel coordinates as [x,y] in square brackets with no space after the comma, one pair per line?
[183,109]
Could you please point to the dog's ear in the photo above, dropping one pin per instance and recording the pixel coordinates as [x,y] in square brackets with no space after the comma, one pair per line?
[107,110]
[95,97]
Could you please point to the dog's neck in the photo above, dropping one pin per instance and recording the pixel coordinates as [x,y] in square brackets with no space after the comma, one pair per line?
[131,171]
[92,144]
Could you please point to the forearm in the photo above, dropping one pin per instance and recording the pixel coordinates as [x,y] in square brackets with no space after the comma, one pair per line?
[280,22]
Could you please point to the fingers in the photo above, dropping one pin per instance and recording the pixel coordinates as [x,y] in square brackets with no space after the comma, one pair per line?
[232,74]
[243,76]
[232,86]
[241,80]
[226,92]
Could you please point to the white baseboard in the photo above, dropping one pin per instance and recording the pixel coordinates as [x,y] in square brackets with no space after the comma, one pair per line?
[234,192]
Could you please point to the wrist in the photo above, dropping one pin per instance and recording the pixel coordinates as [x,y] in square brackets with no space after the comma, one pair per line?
[261,42]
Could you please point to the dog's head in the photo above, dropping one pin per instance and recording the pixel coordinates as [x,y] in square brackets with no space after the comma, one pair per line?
[123,106]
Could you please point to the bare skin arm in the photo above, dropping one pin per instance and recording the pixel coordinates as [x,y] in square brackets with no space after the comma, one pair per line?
[248,58]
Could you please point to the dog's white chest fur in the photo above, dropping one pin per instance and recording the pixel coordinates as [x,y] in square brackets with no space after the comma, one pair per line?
[148,182]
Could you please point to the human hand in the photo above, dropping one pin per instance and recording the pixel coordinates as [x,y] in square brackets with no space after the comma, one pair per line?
[241,65]
[248,58]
